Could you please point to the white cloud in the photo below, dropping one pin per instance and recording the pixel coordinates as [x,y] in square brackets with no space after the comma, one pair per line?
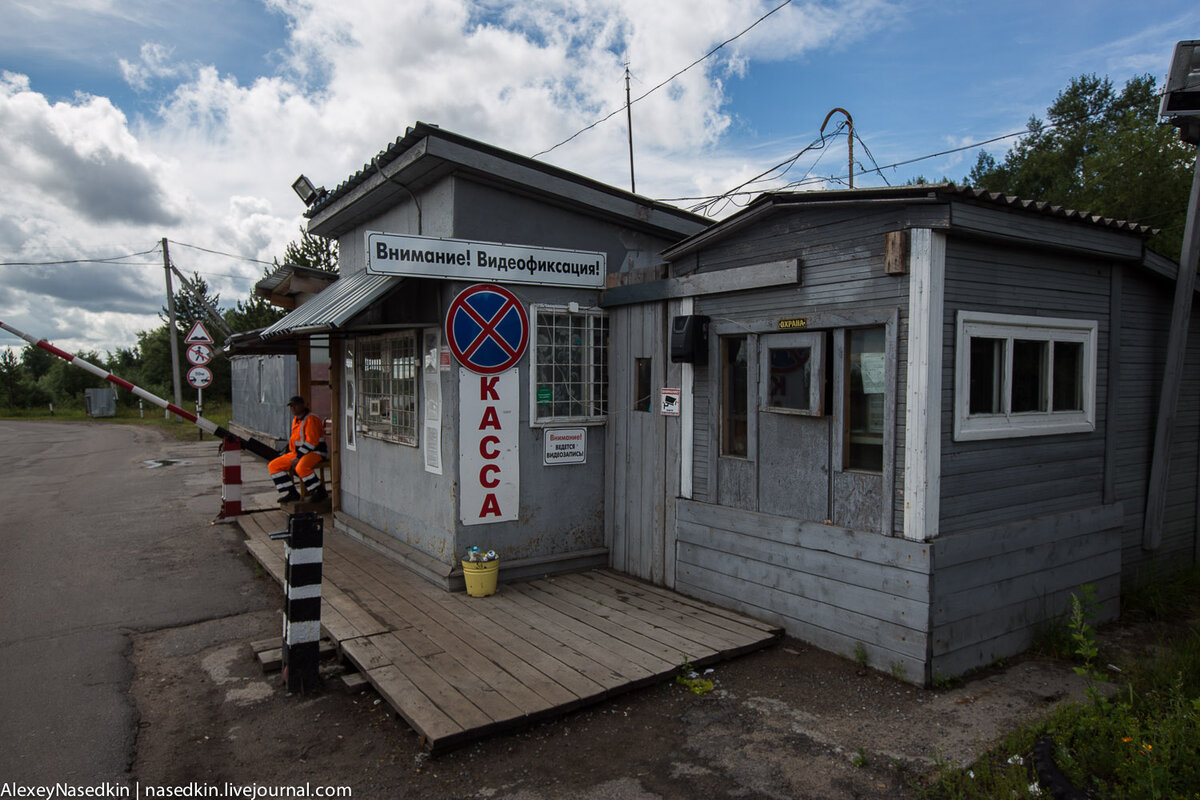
[155,63]
[213,161]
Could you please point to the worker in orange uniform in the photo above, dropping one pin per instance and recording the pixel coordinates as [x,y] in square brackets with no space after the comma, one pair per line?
[306,449]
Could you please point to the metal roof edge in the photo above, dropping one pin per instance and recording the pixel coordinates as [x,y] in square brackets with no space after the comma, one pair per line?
[333,202]
[771,202]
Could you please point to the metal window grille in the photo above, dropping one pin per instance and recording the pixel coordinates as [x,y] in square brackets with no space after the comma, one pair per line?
[571,364]
[387,372]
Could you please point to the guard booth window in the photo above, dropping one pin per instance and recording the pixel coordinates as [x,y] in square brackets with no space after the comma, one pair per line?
[734,402]
[865,387]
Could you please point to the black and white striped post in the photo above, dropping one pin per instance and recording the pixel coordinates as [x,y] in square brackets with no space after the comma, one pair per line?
[303,554]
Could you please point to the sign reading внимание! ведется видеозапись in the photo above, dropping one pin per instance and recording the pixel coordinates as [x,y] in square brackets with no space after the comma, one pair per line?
[460,259]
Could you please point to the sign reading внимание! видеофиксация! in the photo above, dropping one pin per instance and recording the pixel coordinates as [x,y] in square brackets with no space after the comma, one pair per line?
[460,259]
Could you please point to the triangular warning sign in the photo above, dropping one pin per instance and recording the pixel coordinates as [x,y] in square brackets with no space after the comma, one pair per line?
[198,335]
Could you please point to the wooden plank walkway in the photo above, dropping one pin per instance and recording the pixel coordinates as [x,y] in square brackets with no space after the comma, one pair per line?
[459,668]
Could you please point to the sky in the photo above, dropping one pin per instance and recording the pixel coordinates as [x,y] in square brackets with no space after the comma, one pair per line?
[124,122]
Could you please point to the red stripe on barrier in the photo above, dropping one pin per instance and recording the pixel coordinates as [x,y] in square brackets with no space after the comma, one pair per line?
[124,384]
[51,348]
[174,409]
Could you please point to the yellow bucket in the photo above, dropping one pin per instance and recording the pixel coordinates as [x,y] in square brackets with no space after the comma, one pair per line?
[481,577]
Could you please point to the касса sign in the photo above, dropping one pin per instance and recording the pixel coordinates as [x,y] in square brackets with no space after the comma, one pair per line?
[459,259]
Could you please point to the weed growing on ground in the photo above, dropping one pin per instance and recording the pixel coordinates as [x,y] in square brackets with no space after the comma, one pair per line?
[1141,741]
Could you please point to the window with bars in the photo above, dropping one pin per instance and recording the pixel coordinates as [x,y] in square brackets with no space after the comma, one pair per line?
[387,373]
[569,365]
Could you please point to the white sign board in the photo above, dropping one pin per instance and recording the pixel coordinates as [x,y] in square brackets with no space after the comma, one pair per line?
[198,334]
[199,377]
[565,446]
[488,262]
[488,454]
[669,402]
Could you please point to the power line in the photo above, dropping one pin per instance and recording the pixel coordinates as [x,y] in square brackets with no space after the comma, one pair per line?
[704,57]
[219,253]
[109,260]
[1045,127]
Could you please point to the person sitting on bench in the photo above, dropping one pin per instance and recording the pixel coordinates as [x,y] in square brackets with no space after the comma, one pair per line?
[306,449]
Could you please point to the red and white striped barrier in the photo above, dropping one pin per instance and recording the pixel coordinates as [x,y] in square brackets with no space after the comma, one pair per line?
[231,448]
[231,478]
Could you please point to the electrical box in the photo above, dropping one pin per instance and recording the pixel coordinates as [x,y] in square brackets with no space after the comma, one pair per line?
[689,339]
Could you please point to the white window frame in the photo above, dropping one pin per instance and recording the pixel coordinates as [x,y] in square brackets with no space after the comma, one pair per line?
[1008,424]
[596,392]
[815,341]
[370,405]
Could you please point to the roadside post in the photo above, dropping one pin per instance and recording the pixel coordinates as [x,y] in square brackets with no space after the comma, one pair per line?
[303,554]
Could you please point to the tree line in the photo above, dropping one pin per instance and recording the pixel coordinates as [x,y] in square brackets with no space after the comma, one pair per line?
[35,378]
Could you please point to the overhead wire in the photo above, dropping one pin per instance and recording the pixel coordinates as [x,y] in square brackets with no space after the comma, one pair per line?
[711,200]
[658,86]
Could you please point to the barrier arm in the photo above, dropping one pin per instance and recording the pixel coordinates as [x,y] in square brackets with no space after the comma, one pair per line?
[260,449]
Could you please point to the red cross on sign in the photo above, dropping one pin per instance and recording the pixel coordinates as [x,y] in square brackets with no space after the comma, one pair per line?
[487,329]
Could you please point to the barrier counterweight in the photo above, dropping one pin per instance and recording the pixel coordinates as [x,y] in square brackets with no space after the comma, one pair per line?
[304,553]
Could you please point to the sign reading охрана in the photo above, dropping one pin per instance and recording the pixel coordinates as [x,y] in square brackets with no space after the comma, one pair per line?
[459,259]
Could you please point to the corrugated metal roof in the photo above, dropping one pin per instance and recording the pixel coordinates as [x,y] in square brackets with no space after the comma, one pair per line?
[335,306]
[768,202]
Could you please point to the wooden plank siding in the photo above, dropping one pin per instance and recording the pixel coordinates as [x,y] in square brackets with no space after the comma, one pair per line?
[1146,314]
[841,253]
[635,468]
[993,586]
[988,482]
[831,586]
[1023,522]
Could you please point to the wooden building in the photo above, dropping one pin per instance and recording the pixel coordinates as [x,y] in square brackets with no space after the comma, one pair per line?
[908,421]
[430,458]
[914,419]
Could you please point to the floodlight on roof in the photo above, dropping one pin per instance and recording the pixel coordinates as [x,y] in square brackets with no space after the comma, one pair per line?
[1181,96]
[304,189]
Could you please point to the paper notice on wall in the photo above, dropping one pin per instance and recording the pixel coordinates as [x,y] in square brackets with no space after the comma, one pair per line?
[872,366]
[432,384]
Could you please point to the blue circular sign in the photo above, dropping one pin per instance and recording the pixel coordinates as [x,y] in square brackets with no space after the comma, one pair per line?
[487,329]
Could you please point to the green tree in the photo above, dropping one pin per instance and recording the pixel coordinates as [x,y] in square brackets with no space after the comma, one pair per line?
[11,373]
[64,382]
[251,314]
[315,252]
[1101,151]
[36,361]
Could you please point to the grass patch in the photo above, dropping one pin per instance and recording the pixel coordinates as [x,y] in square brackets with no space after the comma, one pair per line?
[153,416]
[1140,741]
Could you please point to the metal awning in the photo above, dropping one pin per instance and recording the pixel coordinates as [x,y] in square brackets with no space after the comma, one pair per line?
[335,306]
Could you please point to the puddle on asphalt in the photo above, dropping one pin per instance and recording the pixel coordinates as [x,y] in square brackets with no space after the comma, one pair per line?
[155,463]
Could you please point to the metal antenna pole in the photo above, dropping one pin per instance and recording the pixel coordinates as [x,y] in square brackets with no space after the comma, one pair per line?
[629,124]
[171,325]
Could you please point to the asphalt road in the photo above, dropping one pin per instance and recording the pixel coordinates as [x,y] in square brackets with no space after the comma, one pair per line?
[97,541]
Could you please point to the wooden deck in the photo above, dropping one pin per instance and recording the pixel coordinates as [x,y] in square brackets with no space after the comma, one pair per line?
[459,668]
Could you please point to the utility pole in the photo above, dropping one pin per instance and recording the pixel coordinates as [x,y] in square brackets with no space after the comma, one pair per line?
[629,124]
[171,325]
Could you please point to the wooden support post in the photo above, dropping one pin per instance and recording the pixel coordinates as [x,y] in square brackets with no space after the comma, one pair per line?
[1168,399]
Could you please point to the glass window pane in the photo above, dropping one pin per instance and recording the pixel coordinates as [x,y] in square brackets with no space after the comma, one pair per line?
[789,378]
[987,375]
[734,398]
[1029,371]
[641,385]
[1068,376]
[865,392]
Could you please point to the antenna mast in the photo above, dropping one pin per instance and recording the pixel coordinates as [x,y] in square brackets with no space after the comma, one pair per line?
[629,124]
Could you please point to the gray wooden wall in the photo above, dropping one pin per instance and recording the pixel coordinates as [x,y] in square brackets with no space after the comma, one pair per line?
[827,585]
